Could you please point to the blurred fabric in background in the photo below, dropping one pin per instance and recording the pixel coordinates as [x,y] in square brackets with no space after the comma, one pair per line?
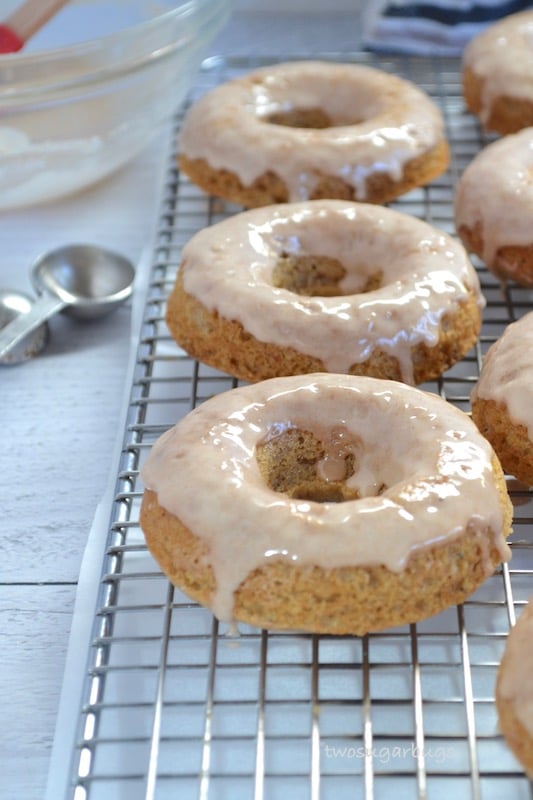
[433,27]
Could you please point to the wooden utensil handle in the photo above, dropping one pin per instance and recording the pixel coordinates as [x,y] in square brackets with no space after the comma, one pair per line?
[32,15]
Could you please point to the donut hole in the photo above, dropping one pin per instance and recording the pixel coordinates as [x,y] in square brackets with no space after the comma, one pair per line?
[319,98]
[316,276]
[304,466]
[312,118]
[301,118]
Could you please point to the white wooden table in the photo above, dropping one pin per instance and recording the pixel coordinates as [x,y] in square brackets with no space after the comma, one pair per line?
[59,418]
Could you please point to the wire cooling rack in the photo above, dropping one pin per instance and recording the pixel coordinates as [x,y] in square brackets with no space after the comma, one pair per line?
[174,706]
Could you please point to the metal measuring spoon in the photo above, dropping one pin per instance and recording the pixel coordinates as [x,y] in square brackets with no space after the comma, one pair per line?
[85,281]
[12,305]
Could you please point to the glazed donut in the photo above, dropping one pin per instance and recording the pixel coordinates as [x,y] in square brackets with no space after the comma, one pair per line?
[313,129]
[284,505]
[514,690]
[502,400]
[494,207]
[498,74]
[325,286]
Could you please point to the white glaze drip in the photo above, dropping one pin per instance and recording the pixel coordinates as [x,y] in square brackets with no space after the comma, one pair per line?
[507,374]
[503,57]
[496,192]
[425,274]
[380,122]
[436,465]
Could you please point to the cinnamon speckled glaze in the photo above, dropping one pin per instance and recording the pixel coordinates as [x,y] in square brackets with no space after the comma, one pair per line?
[404,302]
[425,524]
[494,207]
[502,400]
[313,129]
[498,74]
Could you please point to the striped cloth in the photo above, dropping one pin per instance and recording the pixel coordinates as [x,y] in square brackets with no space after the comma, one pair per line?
[433,27]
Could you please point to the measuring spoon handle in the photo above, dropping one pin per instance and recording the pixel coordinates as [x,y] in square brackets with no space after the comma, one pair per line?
[45,307]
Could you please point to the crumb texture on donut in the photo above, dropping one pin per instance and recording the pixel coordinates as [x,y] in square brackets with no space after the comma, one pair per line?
[325,286]
[345,600]
[514,690]
[510,440]
[304,517]
[502,400]
[312,130]
[227,346]
[504,114]
[270,187]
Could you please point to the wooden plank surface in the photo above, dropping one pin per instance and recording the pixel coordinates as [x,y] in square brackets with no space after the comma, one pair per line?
[34,628]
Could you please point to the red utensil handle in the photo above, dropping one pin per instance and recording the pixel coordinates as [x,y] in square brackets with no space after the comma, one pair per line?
[10,42]
[25,21]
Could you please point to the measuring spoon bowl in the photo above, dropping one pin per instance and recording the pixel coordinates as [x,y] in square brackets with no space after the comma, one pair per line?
[90,280]
[86,281]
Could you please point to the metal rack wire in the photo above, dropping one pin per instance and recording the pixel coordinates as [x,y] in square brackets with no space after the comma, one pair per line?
[176,707]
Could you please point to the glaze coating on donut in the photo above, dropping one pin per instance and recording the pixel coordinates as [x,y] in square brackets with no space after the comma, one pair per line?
[498,74]
[284,504]
[311,130]
[514,690]
[325,286]
[502,400]
[494,207]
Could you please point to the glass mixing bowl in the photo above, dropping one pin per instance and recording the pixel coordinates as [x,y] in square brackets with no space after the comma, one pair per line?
[91,89]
